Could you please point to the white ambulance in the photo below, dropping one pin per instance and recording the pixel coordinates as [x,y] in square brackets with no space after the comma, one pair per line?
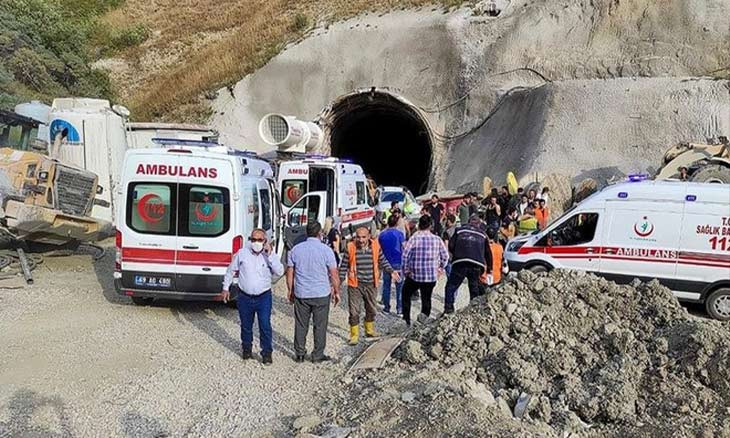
[316,187]
[185,208]
[676,232]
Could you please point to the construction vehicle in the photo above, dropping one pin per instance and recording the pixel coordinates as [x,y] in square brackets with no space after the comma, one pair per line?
[704,162]
[44,201]
[41,199]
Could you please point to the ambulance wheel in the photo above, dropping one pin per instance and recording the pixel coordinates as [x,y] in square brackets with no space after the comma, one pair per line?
[718,304]
[142,301]
[538,269]
[713,173]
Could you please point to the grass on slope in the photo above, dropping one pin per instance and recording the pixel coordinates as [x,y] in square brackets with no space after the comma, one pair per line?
[43,47]
[253,32]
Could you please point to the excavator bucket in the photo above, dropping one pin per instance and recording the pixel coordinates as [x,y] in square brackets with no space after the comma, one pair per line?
[704,162]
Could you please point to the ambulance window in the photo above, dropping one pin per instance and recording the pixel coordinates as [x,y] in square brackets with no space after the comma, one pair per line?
[255,204]
[361,196]
[250,203]
[150,208]
[578,230]
[292,190]
[265,209]
[204,210]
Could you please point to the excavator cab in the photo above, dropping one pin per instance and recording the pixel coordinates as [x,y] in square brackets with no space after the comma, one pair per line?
[20,133]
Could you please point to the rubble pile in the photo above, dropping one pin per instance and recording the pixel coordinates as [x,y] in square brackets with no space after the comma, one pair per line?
[553,355]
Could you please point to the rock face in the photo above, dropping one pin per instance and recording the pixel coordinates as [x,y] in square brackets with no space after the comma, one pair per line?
[585,89]
[576,351]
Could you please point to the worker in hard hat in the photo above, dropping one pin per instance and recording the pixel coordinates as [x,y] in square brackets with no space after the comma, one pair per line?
[361,267]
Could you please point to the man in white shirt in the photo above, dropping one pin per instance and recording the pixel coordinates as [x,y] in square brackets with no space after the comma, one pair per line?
[255,265]
[524,203]
[545,195]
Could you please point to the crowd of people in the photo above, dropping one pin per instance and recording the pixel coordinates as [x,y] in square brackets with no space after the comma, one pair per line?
[463,244]
[508,215]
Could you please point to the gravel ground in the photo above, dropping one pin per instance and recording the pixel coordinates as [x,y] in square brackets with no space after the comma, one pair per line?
[79,360]
[565,354]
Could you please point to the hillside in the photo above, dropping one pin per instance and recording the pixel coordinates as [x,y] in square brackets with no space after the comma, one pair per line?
[198,46]
[45,48]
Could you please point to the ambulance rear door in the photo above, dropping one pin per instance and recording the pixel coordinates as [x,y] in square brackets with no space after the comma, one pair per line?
[206,231]
[293,183]
[149,223]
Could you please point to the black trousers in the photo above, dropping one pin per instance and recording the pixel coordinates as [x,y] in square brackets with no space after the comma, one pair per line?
[459,272]
[318,310]
[409,288]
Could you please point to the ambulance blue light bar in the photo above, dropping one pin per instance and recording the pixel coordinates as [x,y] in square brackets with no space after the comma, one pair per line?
[636,177]
[245,153]
[179,142]
[321,157]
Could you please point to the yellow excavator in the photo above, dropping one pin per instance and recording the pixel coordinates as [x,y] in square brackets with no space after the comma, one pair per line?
[42,200]
[699,162]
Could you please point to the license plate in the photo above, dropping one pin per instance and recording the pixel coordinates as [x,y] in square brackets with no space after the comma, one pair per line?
[149,281]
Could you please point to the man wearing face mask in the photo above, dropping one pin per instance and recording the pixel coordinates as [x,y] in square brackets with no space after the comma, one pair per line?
[255,264]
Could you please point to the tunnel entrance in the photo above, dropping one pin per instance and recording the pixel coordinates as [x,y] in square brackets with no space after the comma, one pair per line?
[384,135]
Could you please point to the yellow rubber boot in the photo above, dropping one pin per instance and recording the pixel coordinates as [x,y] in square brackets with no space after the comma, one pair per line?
[354,334]
[370,330]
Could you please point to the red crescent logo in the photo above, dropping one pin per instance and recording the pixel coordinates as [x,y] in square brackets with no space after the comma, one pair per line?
[646,233]
[151,208]
[201,216]
[293,193]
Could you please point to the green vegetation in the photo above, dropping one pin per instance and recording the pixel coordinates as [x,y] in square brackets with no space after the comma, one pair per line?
[110,40]
[301,22]
[44,45]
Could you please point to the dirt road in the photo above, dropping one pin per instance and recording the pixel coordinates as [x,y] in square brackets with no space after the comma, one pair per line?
[79,360]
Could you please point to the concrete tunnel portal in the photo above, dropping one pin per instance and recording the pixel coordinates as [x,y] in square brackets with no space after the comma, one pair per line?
[385,135]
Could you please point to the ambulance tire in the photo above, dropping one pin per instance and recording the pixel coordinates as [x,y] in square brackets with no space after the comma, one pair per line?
[142,301]
[718,304]
[713,173]
[538,269]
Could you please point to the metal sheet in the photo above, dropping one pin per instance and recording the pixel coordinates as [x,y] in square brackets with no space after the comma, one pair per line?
[376,354]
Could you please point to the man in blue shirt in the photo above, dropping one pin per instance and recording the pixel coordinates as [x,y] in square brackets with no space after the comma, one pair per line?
[255,265]
[391,242]
[310,276]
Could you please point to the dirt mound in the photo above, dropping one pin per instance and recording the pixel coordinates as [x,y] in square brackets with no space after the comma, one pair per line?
[550,355]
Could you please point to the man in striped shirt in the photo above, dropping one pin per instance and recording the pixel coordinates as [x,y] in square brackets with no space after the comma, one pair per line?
[361,267]
[424,259]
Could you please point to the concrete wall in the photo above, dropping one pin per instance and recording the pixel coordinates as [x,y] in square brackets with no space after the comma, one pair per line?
[591,128]
[599,88]
[411,54]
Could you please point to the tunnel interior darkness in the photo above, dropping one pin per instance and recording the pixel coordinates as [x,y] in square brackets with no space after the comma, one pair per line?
[385,136]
